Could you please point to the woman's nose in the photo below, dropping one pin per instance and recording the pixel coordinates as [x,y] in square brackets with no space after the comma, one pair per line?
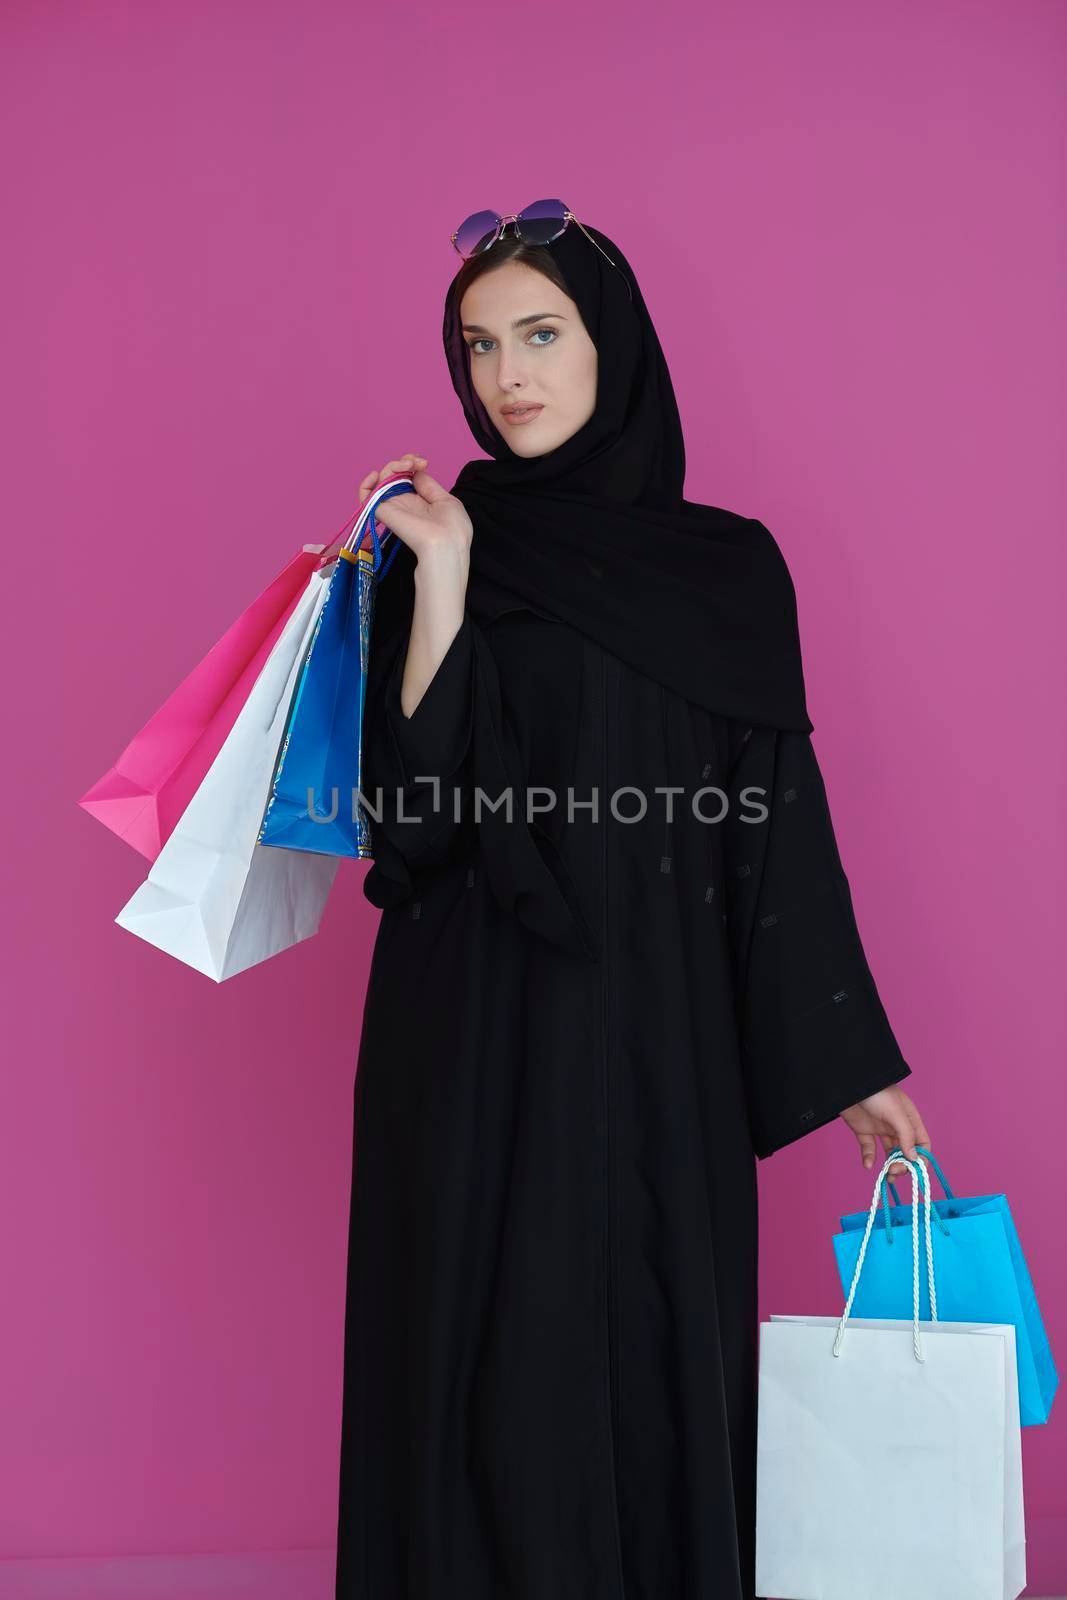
[510,373]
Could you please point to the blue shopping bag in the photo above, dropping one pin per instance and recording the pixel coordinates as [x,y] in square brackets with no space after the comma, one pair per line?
[980,1270]
[315,800]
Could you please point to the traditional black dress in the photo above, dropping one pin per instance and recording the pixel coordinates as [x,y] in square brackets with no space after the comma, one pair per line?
[579,1034]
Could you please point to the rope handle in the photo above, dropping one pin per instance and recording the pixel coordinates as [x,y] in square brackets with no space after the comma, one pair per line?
[919,1165]
[395,483]
[922,1149]
[896,1153]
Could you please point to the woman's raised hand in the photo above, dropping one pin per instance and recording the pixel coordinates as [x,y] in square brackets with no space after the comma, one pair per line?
[428,520]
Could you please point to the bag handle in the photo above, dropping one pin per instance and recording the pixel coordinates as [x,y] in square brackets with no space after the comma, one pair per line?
[922,1149]
[896,1153]
[395,483]
[919,1165]
[377,569]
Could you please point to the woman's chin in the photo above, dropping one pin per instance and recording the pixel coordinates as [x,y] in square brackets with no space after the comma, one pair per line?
[533,441]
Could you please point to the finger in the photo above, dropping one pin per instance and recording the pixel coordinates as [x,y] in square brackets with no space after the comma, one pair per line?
[919,1133]
[402,514]
[398,509]
[409,463]
[898,1169]
[905,1141]
[906,1134]
[405,464]
[429,488]
[868,1148]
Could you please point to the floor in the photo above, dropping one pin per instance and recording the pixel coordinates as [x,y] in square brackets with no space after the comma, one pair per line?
[266,1575]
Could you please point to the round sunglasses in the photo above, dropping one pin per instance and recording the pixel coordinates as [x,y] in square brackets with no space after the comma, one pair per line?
[537,224]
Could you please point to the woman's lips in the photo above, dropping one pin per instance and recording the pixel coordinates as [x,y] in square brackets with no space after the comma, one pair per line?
[517,418]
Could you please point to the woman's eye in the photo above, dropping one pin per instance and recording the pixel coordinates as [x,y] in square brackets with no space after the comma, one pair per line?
[472,344]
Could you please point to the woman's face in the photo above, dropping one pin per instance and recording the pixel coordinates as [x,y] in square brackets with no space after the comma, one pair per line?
[528,345]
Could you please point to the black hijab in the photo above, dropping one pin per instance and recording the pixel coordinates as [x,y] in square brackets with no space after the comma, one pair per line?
[596,533]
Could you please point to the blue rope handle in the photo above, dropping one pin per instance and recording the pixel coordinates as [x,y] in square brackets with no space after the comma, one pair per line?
[378,570]
[937,1217]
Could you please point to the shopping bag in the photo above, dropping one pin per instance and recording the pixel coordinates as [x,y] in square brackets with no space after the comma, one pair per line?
[144,793]
[889,1452]
[315,801]
[982,1276]
[214,897]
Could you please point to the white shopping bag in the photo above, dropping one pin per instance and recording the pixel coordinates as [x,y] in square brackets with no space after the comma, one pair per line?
[215,898]
[889,1453]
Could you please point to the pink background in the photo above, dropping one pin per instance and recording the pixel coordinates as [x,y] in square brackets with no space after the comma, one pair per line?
[225,260]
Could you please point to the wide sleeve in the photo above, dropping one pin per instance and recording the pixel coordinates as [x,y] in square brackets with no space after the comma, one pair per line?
[449,783]
[414,768]
[814,1034]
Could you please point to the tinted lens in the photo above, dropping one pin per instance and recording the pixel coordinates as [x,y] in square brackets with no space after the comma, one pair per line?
[542,222]
[477,232]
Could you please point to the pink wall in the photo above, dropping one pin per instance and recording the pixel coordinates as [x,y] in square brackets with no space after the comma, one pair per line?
[848,224]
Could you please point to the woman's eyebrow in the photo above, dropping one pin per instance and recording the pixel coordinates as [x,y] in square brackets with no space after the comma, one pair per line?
[520,322]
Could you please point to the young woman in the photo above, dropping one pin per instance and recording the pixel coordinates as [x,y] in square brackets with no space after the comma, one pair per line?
[585,1020]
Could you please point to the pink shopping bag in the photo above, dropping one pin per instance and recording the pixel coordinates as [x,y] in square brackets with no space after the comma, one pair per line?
[144,794]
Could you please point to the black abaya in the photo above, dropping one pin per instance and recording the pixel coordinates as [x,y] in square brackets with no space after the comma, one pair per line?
[578,1035]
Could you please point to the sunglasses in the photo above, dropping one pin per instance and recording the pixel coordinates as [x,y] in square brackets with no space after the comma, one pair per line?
[538,224]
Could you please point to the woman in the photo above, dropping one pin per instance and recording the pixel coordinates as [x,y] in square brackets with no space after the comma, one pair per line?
[582,1025]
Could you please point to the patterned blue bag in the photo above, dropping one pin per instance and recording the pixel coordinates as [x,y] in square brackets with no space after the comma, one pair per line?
[981,1275]
[315,800]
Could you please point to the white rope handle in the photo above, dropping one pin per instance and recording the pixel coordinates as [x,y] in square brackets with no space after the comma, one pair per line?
[920,1165]
[364,513]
